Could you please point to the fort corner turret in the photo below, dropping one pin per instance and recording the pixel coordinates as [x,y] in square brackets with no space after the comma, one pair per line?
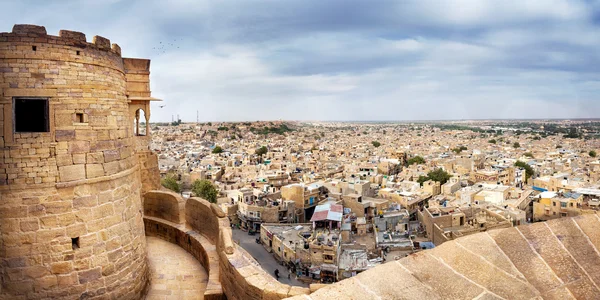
[73,157]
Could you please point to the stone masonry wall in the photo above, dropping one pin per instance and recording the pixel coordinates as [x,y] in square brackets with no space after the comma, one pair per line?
[165,205]
[70,205]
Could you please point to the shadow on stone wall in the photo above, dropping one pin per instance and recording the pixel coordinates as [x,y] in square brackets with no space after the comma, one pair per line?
[206,234]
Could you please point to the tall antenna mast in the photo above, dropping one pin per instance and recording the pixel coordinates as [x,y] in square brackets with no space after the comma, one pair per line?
[197,116]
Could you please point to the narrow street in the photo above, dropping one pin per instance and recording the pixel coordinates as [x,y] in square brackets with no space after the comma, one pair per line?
[264,258]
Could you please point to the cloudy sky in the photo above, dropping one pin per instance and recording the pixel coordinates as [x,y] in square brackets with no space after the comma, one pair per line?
[348,60]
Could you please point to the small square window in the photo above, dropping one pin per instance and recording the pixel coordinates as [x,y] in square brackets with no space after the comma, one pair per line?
[75,243]
[31,115]
[34,48]
[78,52]
[79,118]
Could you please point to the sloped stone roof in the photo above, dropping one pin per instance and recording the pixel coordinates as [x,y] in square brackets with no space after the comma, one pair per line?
[558,259]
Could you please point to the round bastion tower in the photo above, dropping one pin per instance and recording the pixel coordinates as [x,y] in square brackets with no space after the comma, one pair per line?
[71,167]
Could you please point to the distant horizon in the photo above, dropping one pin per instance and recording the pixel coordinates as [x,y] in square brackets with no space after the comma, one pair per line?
[387,121]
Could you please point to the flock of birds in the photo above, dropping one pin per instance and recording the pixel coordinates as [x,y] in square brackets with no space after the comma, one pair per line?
[162,48]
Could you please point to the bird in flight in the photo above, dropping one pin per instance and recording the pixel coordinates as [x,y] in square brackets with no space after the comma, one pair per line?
[161,106]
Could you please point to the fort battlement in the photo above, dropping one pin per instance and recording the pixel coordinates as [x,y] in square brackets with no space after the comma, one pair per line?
[37,34]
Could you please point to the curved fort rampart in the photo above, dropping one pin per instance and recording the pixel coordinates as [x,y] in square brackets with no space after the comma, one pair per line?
[70,182]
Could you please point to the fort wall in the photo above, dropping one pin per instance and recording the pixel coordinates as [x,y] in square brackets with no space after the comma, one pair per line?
[70,204]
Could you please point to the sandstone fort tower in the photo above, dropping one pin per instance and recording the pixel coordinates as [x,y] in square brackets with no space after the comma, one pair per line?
[73,155]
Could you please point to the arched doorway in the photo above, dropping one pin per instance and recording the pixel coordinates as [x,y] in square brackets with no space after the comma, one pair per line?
[140,123]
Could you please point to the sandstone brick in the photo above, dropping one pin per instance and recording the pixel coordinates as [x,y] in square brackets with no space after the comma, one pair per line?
[36,271]
[95,158]
[112,167]
[79,147]
[62,267]
[79,158]
[94,170]
[30,225]
[89,275]
[67,280]
[86,201]
[70,173]
[76,230]
[111,155]
[64,135]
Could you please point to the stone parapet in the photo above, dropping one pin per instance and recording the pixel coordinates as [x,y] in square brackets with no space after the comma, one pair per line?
[196,244]
[164,205]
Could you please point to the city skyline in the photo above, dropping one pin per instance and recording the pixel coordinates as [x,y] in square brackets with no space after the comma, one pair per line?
[376,60]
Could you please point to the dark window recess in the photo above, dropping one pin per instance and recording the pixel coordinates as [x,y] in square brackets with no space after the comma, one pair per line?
[34,48]
[31,115]
[78,52]
[75,243]
[79,118]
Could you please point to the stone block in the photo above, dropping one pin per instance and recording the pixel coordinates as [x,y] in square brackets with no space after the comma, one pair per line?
[94,170]
[71,173]
[29,29]
[30,225]
[79,158]
[74,35]
[36,271]
[79,147]
[63,267]
[65,135]
[111,155]
[95,158]
[101,42]
[67,280]
[89,275]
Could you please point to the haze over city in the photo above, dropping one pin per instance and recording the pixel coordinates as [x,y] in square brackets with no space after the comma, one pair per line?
[349,60]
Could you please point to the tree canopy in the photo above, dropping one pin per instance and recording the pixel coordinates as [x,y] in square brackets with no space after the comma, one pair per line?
[170,182]
[205,189]
[418,160]
[528,170]
[516,145]
[261,151]
[592,153]
[439,175]
[217,150]
[376,144]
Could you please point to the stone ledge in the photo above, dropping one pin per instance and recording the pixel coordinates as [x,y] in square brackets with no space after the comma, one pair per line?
[97,179]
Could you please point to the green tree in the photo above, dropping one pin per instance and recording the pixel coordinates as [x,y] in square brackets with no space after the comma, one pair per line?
[209,124]
[528,154]
[528,170]
[217,150]
[516,145]
[376,144]
[170,182]
[439,175]
[422,179]
[492,141]
[459,149]
[205,189]
[592,153]
[261,151]
[416,160]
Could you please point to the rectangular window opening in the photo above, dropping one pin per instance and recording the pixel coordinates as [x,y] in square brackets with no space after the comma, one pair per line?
[79,118]
[78,52]
[34,48]
[31,115]
[75,243]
